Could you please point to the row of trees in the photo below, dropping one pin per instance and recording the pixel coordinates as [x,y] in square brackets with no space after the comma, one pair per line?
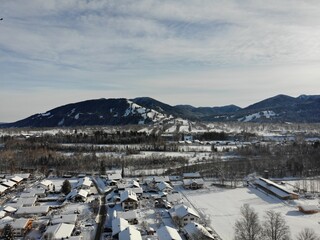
[273,227]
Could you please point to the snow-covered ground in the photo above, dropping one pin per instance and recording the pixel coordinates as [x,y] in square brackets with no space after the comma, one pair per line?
[223,207]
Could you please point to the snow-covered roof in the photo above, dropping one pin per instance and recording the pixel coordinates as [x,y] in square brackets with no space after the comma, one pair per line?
[174,197]
[198,181]
[196,229]
[86,182]
[168,233]
[59,231]
[118,225]
[68,218]
[183,210]
[33,210]
[8,183]
[46,182]
[127,215]
[32,192]
[163,185]
[9,209]
[134,184]
[157,179]
[83,193]
[192,175]
[20,223]
[135,190]
[23,175]
[273,187]
[16,179]
[128,194]
[75,192]
[114,176]
[2,188]
[2,214]
[309,208]
[5,220]
[29,201]
[130,233]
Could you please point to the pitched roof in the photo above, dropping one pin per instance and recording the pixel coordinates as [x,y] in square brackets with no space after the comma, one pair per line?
[183,210]
[46,182]
[9,209]
[86,182]
[69,218]
[192,175]
[16,179]
[33,210]
[198,181]
[168,233]
[196,229]
[174,198]
[163,185]
[128,194]
[127,215]
[62,230]
[2,188]
[130,233]
[273,187]
[114,176]
[20,223]
[75,192]
[8,183]
[2,214]
[118,225]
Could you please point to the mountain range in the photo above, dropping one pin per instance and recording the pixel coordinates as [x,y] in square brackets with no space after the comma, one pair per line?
[145,110]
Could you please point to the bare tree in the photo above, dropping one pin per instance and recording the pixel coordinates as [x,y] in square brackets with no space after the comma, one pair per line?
[307,234]
[248,226]
[275,227]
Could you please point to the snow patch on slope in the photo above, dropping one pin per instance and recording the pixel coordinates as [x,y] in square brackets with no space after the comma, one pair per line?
[145,113]
[47,114]
[266,114]
[61,122]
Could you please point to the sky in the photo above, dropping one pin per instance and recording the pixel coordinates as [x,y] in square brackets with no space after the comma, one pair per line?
[197,52]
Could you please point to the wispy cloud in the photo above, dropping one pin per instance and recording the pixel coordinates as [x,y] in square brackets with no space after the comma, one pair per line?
[131,47]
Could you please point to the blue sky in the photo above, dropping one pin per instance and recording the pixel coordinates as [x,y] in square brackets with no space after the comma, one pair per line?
[198,52]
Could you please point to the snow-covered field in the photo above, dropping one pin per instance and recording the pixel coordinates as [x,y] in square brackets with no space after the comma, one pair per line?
[223,207]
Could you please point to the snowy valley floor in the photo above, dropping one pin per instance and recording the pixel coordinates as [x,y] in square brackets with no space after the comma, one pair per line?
[223,208]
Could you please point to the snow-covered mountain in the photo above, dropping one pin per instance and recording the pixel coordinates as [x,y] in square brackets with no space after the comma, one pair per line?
[94,112]
[145,110]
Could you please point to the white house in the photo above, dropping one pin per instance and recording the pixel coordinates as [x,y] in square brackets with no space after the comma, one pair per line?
[164,187]
[193,183]
[46,184]
[129,200]
[183,214]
